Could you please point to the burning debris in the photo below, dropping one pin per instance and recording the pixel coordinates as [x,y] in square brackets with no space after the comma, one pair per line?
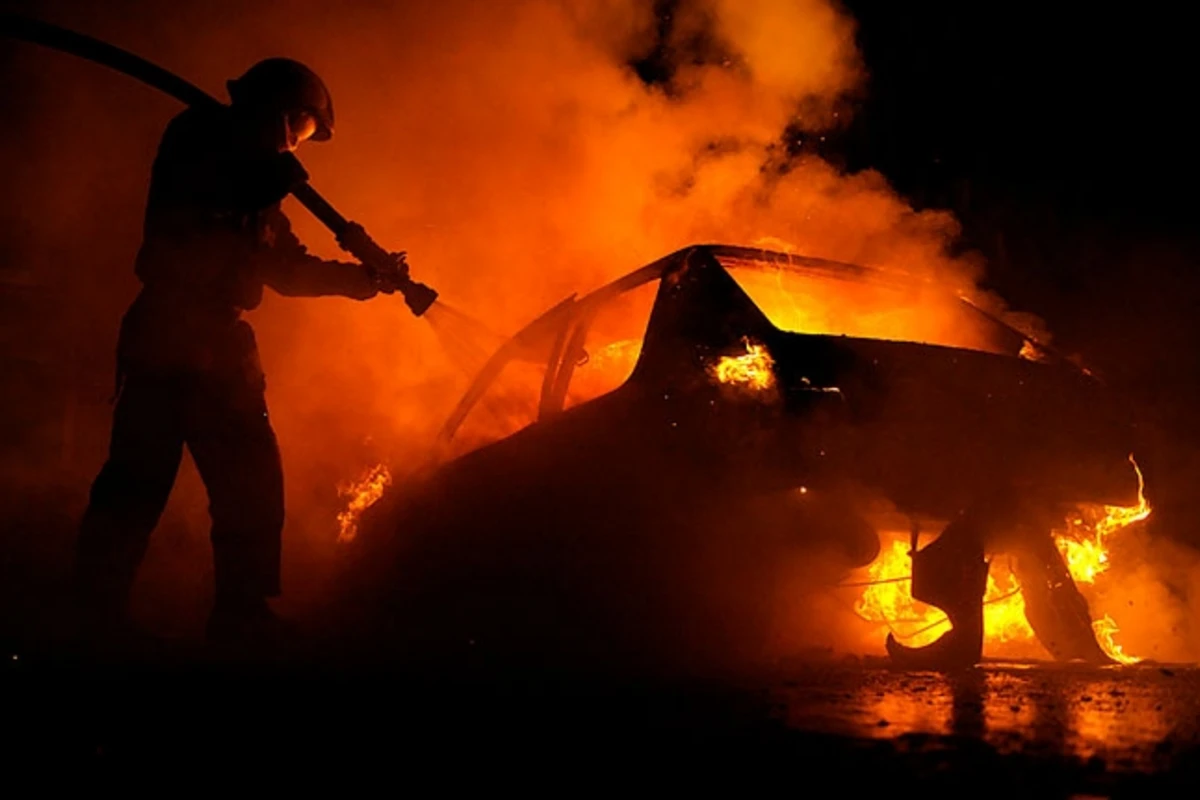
[362,494]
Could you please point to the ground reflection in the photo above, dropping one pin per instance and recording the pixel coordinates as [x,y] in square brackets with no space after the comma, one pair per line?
[1127,716]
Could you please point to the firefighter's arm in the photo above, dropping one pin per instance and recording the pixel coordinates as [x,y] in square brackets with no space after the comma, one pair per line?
[288,268]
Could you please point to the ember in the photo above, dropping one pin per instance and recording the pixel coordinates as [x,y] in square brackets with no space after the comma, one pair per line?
[753,370]
[363,494]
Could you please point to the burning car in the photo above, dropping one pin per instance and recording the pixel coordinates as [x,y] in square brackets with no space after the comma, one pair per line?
[642,515]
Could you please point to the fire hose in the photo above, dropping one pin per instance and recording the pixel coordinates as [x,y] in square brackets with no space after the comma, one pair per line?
[383,264]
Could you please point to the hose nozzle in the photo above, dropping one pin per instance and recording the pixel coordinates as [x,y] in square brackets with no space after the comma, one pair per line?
[418,297]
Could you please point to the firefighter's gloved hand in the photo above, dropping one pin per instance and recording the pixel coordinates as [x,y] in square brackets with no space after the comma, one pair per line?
[399,275]
[394,277]
[389,270]
[364,286]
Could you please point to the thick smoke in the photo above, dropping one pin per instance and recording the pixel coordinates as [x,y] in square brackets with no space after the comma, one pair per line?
[518,151]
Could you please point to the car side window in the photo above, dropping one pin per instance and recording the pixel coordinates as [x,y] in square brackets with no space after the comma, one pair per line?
[612,346]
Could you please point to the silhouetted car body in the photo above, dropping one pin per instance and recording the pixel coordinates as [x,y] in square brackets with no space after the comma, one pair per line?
[644,527]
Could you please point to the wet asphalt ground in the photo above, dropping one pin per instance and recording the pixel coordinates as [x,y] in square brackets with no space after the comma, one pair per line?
[1058,729]
[854,725]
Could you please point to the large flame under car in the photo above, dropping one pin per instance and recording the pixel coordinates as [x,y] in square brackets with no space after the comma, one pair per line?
[647,520]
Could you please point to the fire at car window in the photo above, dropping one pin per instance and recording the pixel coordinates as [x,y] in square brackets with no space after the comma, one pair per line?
[863,306]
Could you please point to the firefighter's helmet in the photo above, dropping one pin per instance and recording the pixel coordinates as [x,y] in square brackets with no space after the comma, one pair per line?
[286,86]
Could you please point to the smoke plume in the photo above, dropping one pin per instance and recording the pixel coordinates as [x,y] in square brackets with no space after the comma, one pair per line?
[518,151]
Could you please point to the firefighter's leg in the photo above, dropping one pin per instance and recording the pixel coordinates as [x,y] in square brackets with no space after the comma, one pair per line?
[234,447]
[127,497]
[951,574]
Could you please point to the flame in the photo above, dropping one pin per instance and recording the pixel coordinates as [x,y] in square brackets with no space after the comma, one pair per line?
[363,494]
[888,600]
[1030,351]
[1088,557]
[1083,547]
[1117,517]
[1104,629]
[753,369]
[874,309]
[887,597]
[1085,559]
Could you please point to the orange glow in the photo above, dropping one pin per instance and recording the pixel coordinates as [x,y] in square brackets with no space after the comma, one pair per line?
[1085,559]
[895,307]
[1083,547]
[1082,542]
[892,602]
[1004,609]
[889,602]
[540,165]
[362,494]
[1105,628]
[915,624]
[620,355]
[1030,351]
[1117,517]
[517,157]
[606,367]
[754,369]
